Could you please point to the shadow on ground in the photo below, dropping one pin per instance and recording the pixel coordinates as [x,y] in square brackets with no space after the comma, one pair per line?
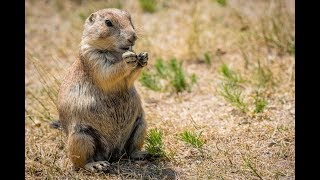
[126,169]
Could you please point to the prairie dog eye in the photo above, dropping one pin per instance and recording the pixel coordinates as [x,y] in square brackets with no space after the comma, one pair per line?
[108,23]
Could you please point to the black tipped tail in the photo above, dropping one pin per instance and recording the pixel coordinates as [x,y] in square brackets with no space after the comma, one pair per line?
[55,125]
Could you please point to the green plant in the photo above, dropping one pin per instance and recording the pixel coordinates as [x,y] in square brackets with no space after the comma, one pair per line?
[171,72]
[150,81]
[260,103]
[193,78]
[222,2]
[229,75]
[192,139]
[248,163]
[148,5]
[154,144]
[178,79]
[291,48]
[229,89]
[82,16]
[233,94]
[207,59]
[161,68]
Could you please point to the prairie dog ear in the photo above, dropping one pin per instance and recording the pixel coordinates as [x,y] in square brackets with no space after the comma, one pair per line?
[92,18]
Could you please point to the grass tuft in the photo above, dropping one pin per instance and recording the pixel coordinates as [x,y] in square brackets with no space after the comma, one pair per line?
[260,103]
[154,144]
[230,90]
[150,81]
[148,5]
[193,78]
[248,163]
[229,75]
[178,79]
[207,59]
[192,139]
[161,68]
[222,2]
[233,94]
[82,16]
[172,73]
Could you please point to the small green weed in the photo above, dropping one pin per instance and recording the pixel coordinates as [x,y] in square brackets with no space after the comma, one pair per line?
[207,59]
[178,79]
[161,68]
[82,16]
[260,103]
[233,94]
[229,89]
[154,144]
[248,163]
[172,73]
[222,2]
[192,139]
[232,91]
[229,75]
[193,78]
[148,5]
[150,81]
[292,49]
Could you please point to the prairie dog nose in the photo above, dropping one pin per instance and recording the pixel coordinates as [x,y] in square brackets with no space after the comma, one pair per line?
[132,37]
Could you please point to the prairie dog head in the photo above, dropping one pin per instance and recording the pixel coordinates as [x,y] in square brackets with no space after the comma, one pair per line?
[109,30]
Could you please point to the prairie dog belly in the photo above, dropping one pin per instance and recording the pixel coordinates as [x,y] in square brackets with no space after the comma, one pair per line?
[113,115]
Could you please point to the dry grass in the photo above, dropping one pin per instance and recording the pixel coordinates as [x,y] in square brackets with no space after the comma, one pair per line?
[253,38]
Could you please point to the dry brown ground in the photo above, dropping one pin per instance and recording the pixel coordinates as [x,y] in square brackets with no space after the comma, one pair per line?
[237,145]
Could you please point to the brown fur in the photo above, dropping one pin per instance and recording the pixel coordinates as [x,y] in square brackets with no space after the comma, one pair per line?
[98,105]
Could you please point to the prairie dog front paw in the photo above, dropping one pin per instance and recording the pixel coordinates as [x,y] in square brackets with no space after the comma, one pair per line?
[129,57]
[143,58]
[98,166]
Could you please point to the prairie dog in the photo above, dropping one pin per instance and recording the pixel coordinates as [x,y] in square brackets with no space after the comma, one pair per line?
[99,107]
